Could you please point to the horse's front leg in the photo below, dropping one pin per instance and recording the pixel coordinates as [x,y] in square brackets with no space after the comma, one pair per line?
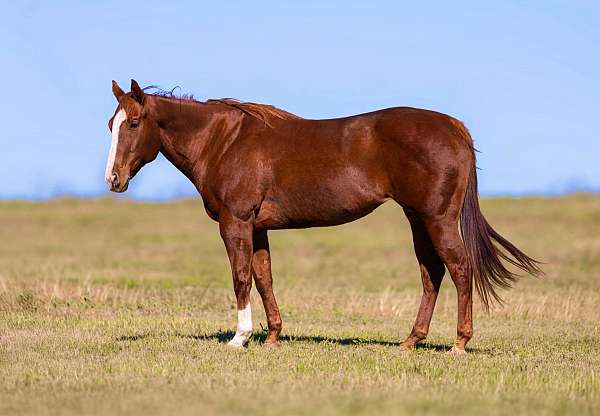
[261,266]
[237,236]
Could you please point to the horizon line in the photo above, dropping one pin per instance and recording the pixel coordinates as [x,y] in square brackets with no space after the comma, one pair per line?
[189,195]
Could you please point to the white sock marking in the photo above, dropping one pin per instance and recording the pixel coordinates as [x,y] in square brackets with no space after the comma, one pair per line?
[244,327]
[120,117]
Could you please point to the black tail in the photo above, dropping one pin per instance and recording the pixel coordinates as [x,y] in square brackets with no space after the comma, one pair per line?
[485,257]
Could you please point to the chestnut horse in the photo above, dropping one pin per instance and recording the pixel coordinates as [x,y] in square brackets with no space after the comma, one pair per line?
[259,168]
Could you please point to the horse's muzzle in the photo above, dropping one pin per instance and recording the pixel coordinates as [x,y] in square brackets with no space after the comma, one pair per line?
[115,184]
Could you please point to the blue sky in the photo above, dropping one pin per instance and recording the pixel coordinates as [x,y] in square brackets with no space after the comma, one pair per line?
[524,76]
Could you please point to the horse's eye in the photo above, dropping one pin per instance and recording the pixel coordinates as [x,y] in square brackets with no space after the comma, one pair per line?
[134,123]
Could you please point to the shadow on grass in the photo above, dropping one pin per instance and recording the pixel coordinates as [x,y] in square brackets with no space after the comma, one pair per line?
[136,337]
[225,336]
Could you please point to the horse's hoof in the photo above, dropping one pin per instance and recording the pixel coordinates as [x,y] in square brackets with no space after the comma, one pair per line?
[457,351]
[235,344]
[271,345]
[407,347]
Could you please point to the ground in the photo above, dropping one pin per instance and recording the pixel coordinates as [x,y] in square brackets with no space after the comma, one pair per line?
[110,306]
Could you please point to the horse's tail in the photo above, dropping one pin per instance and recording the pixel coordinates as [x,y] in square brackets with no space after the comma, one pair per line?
[484,255]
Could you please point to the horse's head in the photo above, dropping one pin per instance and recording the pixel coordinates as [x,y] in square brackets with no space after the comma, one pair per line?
[135,137]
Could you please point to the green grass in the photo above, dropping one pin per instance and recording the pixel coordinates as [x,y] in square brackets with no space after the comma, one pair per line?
[116,307]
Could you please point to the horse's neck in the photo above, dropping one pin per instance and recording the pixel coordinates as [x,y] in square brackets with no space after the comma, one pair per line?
[191,134]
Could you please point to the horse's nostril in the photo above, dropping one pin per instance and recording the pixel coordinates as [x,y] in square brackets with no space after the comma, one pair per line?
[114,179]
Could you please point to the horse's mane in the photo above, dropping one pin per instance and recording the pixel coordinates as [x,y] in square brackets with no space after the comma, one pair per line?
[263,112]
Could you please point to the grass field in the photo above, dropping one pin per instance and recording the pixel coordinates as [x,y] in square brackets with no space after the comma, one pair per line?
[116,307]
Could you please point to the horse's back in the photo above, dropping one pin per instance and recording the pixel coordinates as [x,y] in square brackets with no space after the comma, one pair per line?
[402,151]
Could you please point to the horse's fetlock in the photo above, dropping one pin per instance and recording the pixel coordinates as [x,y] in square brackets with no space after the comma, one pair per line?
[466,333]
[419,334]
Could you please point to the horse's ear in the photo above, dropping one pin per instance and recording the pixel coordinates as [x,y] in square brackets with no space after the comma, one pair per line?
[137,92]
[117,91]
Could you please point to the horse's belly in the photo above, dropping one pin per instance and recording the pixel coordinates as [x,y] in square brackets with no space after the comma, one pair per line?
[319,206]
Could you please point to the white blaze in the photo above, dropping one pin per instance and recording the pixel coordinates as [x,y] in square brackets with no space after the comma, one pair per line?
[120,117]
[244,327]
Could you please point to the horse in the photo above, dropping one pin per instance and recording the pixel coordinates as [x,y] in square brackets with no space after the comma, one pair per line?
[259,168]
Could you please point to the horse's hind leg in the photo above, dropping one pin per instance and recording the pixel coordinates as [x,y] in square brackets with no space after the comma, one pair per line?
[432,273]
[450,247]
[261,269]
